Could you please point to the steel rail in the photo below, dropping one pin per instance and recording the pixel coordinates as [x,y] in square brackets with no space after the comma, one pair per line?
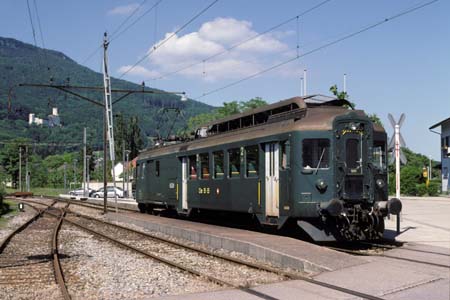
[220,281]
[289,275]
[59,276]
[354,252]
[8,238]
[403,248]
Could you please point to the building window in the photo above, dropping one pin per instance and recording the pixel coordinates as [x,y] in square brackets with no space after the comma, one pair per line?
[193,167]
[234,166]
[218,165]
[315,151]
[204,165]
[157,168]
[252,158]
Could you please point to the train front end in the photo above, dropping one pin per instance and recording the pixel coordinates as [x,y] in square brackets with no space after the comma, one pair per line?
[360,202]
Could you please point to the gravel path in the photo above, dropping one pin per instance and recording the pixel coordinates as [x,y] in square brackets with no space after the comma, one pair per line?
[15,221]
[97,269]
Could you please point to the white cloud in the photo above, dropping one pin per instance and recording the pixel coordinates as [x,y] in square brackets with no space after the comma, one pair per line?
[214,37]
[123,9]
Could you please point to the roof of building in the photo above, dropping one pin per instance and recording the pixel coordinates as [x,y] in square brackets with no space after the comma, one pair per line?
[440,123]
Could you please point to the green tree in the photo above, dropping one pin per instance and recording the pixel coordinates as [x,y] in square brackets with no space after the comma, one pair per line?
[135,140]
[339,95]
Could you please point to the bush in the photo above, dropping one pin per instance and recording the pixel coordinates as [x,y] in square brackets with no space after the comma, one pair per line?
[421,189]
[434,188]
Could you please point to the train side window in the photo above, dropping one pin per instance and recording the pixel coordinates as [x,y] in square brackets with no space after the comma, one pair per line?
[251,158]
[315,151]
[157,168]
[218,165]
[285,152]
[193,167]
[234,166]
[204,166]
[138,170]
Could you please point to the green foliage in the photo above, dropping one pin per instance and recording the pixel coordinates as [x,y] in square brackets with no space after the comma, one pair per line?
[411,176]
[228,109]
[375,119]
[24,63]
[339,95]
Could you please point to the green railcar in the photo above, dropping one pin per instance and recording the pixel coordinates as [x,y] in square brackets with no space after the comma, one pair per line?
[311,159]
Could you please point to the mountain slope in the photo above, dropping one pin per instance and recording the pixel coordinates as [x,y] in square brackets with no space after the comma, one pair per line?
[24,63]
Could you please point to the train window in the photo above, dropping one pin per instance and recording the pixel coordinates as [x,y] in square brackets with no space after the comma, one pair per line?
[234,166]
[285,149]
[352,157]
[204,165]
[218,165]
[138,170]
[143,171]
[157,168]
[252,158]
[192,167]
[316,153]
[379,155]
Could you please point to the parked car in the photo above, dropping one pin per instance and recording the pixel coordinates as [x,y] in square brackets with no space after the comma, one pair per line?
[80,192]
[110,192]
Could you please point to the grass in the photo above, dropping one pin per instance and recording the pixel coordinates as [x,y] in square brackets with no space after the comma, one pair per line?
[41,191]
[9,208]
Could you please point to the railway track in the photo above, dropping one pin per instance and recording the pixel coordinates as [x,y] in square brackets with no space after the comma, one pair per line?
[29,257]
[94,226]
[381,250]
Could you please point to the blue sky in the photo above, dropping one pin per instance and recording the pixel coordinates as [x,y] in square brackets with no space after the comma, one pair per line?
[401,66]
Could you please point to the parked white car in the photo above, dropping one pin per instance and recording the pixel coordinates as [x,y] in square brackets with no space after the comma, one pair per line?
[110,192]
[80,192]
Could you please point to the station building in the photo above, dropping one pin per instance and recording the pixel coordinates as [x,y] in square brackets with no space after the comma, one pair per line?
[445,151]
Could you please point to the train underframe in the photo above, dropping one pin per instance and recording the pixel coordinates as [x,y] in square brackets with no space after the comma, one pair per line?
[355,222]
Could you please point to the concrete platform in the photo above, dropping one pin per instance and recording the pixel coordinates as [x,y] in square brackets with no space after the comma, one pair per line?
[424,220]
[278,250]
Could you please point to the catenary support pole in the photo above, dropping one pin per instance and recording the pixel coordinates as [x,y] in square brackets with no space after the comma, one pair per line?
[84,162]
[20,168]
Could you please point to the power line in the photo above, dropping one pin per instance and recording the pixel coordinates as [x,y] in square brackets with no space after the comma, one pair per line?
[364,29]
[31,22]
[41,34]
[168,38]
[244,41]
[112,37]
[129,17]
[115,33]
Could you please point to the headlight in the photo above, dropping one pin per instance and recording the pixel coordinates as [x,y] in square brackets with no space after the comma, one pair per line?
[380,183]
[321,185]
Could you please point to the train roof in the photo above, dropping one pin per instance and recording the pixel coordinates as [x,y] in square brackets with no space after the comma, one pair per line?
[288,105]
[307,113]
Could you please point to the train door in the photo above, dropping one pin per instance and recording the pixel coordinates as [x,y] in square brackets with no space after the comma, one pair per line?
[272,180]
[184,185]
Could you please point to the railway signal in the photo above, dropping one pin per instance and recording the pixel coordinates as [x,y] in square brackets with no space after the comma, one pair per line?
[395,144]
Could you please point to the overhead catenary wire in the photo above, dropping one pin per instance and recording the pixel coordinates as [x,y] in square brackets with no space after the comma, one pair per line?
[237,45]
[169,37]
[355,33]
[33,30]
[115,33]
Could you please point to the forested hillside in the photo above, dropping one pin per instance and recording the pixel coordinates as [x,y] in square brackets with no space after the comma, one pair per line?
[24,63]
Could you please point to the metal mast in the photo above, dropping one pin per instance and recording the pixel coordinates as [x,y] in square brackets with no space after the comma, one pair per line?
[109,115]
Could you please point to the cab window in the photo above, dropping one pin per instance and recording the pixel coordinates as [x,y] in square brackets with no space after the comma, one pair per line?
[379,155]
[315,153]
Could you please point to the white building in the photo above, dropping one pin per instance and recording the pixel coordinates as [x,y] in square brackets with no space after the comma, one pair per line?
[52,121]
[445,151]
